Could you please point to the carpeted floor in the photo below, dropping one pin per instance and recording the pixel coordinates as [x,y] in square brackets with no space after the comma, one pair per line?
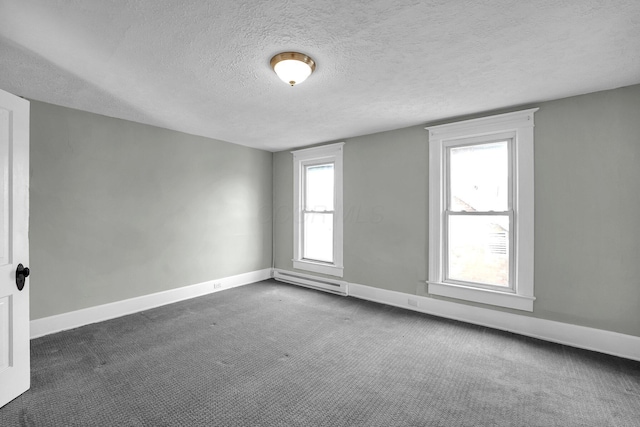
[271,354]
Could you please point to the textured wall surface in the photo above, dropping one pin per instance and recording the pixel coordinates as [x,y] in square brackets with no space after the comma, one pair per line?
[202,67]
[587,199]
[120,209]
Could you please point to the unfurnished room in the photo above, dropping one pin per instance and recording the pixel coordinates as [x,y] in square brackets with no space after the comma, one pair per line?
[320,213]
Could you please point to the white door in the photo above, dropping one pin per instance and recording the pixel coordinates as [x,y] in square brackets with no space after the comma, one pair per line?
[14,246]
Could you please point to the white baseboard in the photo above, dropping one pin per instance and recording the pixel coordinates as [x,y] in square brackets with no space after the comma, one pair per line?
[607,342]
[75,319]
[599,340]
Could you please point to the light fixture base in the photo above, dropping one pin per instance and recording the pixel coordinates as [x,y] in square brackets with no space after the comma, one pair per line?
[293,67]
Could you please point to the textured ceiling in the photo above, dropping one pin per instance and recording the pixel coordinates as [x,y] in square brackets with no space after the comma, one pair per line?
[202,67]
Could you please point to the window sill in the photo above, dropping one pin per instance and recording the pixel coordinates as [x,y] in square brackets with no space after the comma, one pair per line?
[484,296]
[317,267]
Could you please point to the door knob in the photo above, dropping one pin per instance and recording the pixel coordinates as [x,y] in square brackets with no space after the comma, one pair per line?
[21,273]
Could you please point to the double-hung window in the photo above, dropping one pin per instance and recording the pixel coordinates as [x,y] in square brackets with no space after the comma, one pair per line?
[481,210]
[318,209]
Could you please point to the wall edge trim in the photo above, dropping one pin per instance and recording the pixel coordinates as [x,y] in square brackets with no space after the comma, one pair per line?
[599,340]
[74,319]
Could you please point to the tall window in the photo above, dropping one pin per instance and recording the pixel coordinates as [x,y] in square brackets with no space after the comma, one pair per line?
[481,210]
[318,212]
[318,209]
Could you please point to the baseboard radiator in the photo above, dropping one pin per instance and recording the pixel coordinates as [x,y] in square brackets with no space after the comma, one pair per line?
[320,283]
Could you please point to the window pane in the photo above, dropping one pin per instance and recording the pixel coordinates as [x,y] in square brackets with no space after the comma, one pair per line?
[478,249]
[479,177]
[319,187]
[318,237]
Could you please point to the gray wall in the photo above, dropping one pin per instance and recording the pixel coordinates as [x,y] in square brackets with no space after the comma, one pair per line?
[120,209]
[587,195]
[385,209]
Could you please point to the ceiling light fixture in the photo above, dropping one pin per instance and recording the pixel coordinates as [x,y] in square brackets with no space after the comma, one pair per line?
[293,67]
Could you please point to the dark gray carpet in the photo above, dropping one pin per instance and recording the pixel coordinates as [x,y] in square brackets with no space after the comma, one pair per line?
[271,354]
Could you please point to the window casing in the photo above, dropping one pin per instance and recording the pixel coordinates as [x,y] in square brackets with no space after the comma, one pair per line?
[481,210]
[478,212]
[318,209]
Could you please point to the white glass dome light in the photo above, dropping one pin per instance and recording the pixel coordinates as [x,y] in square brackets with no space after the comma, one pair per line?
[292,67]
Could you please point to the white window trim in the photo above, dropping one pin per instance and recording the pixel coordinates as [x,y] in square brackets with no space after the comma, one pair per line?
[521,123]
[329,153]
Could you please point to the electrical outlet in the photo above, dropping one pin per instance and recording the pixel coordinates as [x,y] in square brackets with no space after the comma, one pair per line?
[217,285]
[412,302]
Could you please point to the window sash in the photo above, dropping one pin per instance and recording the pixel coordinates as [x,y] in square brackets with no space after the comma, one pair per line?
[305,195]
[304,211]
[510,212]
[511,253]
[304,234]
[471,142]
